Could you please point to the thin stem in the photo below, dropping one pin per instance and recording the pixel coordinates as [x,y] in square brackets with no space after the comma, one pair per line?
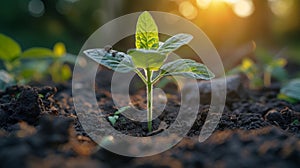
[156,79]
[149,86]
[141,76]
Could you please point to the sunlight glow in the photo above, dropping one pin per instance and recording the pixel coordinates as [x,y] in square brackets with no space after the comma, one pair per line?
[231,1]
[281,8]
[203,4]
[188,10]
[243,8]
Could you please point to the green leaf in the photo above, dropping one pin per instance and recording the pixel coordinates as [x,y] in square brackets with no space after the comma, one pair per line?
[69,58]
[121,110]
[280,74]
[113,119]
[187,68]
[287,98]
[9,49]
[147,58]
[292,89]
[146,36]
[37,52]
[277,63]
[174,42]
[32,70]
[263,56]
[117,61]
[295,122]
[59,72]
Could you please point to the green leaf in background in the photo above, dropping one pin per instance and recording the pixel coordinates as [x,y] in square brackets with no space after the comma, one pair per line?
[292,89]
[287,98]
[59,72]
[276,63]
[146,36]
[117,61]
[32,70]
[151,59]
[280,74]
[263,55]
[70,58]
[9,49]
[187,68]
[37,52]
[174,42]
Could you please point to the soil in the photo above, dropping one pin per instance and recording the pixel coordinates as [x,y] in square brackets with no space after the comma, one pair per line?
[40,128]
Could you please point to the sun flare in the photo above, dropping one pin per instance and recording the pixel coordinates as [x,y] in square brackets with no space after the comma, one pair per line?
[241,8]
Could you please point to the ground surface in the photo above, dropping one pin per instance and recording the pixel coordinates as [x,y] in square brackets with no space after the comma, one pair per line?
[39,128]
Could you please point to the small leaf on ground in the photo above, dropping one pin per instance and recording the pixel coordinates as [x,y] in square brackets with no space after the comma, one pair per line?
[113,119]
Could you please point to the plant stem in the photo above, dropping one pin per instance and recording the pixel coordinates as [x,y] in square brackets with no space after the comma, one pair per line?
[160,75]
[141,76]
[149,86]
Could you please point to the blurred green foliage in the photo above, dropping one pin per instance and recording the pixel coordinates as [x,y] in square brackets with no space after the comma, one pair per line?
[67,21]
[291,91]
[261,72]
[33,64]
[72,21]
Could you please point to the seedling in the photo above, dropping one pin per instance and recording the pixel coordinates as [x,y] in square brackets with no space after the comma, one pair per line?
[149,56]
[261,72]
[295,122]
[113,119]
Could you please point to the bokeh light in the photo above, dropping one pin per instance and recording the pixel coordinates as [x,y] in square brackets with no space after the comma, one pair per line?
[188,10]
[281,8]
[243,8]
[203,4]
[231,1]
[228,23]
[36,8]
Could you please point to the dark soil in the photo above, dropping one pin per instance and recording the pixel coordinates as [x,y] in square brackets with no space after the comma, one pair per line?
[39,128]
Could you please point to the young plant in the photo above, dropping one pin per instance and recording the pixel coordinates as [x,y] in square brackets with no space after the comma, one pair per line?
[261,72]
[149,56]
[113,119]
